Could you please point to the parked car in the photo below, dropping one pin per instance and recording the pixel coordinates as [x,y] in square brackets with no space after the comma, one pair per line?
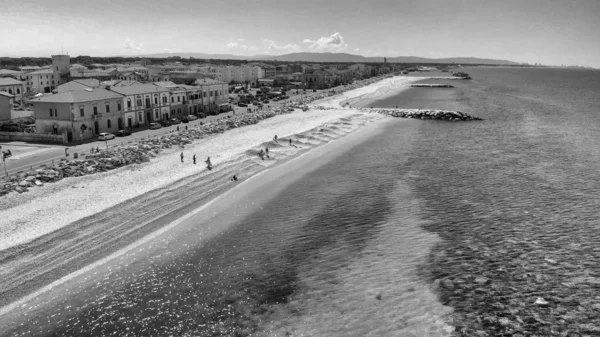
[154,126]
[175,121]
[242,105]
[165,123]
[123,133]
[191,118]
[106,136]
[200,115]
[185,120]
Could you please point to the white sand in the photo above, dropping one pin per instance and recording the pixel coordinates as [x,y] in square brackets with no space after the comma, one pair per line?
[24,217]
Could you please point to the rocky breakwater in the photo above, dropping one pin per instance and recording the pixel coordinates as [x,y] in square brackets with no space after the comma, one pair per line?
[427,114]
[112,158]
[433,85]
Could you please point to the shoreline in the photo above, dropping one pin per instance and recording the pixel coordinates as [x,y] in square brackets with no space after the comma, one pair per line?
[209,198]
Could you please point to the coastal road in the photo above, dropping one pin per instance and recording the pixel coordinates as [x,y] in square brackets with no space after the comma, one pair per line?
[57,152]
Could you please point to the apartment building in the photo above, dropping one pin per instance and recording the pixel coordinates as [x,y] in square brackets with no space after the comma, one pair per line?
[144,103]
[81,114]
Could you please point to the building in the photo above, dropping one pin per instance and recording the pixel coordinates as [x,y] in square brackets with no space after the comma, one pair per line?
[81,114]
[61,69]
[119,83]
[78,85]
[242,74]
[215,95]
[144,103]
[13,87]
[178,99]
[41,81]
[6,105]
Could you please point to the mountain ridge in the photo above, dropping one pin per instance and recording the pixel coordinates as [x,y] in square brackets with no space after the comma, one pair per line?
[335,57]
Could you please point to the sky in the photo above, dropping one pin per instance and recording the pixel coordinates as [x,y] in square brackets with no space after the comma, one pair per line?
[552,32]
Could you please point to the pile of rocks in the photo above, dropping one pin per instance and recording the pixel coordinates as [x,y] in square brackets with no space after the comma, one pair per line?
[427,114]
[432,85]
[105,160]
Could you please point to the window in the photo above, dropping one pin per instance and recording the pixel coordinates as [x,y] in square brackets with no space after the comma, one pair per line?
[172,99]
[18,91]
[10,91]
[205,94]
[95,107]
[118,106]
[155,99]
[81,111]
[129,102]
[156,114]
[108,123]
[51,113]
[164,99]
[178,98]
[139,102]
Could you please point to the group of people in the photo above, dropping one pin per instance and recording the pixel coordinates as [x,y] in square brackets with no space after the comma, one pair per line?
[207,161]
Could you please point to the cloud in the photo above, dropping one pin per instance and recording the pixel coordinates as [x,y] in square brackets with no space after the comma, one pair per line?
[133,45]
[334,42]
[356,49]
[272,46]
[167,50]
[238,45]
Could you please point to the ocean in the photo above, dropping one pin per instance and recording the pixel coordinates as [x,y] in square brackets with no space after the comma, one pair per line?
[424,228]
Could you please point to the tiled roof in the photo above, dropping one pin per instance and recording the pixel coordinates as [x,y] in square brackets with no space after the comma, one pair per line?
[138,89]
[89,73]
[79,96]
[3,93]
[42,72]
[9,81]
[120,83]
[8,72]
[201,81]
[165,84]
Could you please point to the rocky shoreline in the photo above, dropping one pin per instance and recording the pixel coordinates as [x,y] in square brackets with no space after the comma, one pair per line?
[426,114]
[433,85]
[110,159]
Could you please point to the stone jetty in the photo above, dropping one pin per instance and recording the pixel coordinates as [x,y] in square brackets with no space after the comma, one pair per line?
[432,85]
[427,114]
[115,157]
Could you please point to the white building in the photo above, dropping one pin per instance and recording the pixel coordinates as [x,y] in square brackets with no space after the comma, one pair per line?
[13,87]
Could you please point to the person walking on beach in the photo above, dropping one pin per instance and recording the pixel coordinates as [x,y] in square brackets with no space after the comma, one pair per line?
[181,155]
[234,178]
[290,142]
[275,139]
[267,151]
[261,154]
[194,159]
[208,164]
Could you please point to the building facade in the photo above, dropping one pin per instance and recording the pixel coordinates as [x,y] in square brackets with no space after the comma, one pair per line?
[81,114]
[13,87]
[6,105]
[144,103]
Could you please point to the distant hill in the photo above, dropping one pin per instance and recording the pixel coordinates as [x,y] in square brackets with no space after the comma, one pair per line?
[343,57]
[200,56]
[334,57]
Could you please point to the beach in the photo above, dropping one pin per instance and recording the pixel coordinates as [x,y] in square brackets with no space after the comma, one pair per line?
[52,236]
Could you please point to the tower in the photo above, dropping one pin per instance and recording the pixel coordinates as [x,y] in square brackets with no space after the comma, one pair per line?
[385,60]
[60,68]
